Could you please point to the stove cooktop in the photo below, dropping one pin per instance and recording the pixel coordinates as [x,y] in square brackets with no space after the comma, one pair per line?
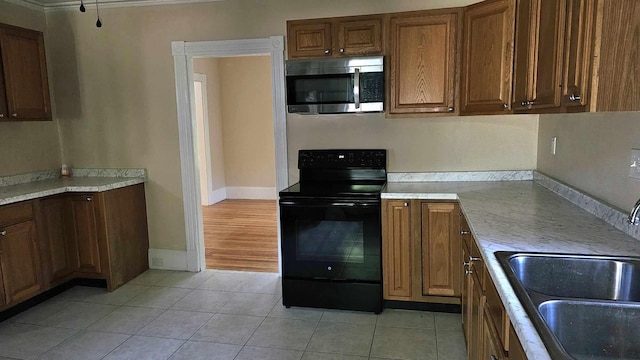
[334,189]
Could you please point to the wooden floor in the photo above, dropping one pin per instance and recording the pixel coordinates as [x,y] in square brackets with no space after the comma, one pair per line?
[241,235]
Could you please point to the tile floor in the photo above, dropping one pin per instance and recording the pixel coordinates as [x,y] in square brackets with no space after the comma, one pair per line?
[218,315]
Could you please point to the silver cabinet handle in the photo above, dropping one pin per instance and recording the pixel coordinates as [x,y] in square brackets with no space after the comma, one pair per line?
[464,232]
[3,233]
[450,109]
[524,103]
[342,51]
[505,106]
[14,115]
[327,51]
[468,272]
[356,88]
[493,357]
[89,199]
[574,97]
[405,204]
[1,116]
[471,258]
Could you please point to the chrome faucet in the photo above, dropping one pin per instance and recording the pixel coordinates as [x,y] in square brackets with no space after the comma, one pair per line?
[634,218]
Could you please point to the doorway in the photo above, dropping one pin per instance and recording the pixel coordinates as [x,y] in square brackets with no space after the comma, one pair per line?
[235,142]
[183,54]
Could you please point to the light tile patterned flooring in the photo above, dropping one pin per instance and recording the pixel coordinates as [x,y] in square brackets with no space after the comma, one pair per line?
[219,315]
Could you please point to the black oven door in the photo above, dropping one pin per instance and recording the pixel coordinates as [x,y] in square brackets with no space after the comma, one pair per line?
[331,239]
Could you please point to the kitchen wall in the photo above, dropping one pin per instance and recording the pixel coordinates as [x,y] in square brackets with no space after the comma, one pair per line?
[247,127]
[27,146]
[241,124]
[115,91]
[593,153]
[209,67]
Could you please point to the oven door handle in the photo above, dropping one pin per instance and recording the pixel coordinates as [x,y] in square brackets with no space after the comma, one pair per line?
[325,203]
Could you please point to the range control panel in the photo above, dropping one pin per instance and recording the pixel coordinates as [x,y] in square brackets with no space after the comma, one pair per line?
[342,159]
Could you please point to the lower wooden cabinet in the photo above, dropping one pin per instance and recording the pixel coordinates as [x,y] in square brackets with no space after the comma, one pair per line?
[58,250]
[19,258]
[421,251]
[45,242]
[83,231]
[487,329]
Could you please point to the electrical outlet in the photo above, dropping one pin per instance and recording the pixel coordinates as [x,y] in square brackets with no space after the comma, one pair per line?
[634,167]
[554,145]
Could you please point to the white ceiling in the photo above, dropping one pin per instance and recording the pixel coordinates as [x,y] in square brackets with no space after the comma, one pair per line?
[74,4]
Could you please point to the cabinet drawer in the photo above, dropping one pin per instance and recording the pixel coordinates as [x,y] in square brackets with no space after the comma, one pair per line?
[497,312]
[16,213]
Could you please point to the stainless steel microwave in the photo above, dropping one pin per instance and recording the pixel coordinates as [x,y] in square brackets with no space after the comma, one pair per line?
[336,85]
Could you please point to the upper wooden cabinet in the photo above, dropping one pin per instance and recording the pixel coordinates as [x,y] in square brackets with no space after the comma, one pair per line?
[334,37]
[537,76]
[578,59]
[617,65]
[487,57]
[423,57]
[24,88]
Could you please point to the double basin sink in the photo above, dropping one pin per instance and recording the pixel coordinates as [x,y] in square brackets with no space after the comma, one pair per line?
[584,307]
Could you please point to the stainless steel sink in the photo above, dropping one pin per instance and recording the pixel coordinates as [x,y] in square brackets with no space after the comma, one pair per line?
[594,330]
[584,307]
[578,277]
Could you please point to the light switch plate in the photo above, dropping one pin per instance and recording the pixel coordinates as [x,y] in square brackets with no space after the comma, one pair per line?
[634,167]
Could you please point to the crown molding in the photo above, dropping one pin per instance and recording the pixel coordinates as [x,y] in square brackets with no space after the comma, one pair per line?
[73,5]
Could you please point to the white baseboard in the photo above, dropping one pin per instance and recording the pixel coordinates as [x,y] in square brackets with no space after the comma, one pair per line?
[217,195]
[167,259]
[254,193]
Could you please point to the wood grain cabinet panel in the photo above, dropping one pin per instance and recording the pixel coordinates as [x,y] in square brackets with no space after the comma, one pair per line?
[83,226]
[487,57]
[58,250]
[423,50]
[441,256]
[309,38]
[617,60]
[26,88]
[578,53]
[396,263]
[20,262]
[516,352]
[537,81]
[359,37]
[335,37]
[491,345]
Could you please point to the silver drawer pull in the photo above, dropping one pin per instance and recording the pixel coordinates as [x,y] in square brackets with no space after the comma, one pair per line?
[89,199]
[3,233]
[464,232]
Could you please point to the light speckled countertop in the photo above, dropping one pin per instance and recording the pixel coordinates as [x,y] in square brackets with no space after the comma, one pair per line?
[36,189]
[522,216]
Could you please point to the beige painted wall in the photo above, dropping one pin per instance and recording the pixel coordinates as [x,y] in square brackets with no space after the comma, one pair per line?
[247,121]
[422,145]
[27,146]
[115,94]
[209,67]
[593,153]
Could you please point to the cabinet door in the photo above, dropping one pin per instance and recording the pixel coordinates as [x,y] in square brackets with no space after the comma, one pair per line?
[618,76]
[423,63]
[360,37]
[396,249]
[516,352]
[466,299]
[25,74]
[487,62]
[83,225]
[309,38]
[578,50]
[537,82]
[60,249]
[4,109]
[491,346]
[20,262]
[476,305]
[440,249]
